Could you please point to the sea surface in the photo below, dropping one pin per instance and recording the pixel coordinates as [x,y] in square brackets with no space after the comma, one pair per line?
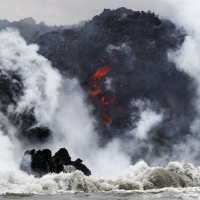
[162,194]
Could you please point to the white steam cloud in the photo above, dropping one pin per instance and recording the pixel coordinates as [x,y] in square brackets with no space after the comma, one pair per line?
[186,14]
[148,120]
[57,104]
[40,84]
[40,81]
[124,48]
[73,128]
[10,147]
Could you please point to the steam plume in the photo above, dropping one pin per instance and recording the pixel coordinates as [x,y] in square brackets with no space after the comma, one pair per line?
[56,103]
[187,15]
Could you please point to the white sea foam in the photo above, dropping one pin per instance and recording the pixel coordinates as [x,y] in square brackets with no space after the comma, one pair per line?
[133,178]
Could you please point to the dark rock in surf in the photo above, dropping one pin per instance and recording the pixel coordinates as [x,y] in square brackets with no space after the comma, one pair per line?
[78,165]
[41,162]
[61,158]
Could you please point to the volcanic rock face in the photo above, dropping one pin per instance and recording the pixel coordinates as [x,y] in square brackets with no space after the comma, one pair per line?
[29,29]
[120,58]
[40,162]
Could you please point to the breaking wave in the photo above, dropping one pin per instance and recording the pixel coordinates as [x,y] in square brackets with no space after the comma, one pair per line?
[137,177]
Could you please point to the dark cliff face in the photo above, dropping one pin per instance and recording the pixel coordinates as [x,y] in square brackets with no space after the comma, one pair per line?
[29,29]
[120,58]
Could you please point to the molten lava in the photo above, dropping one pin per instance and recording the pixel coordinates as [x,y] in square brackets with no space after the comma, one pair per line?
[94,93]
[102,71]
[107,118]
[104,102]
[95,79]
[94,89]
[111,102]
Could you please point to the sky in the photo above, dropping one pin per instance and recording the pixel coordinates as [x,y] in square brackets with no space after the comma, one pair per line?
[66,12]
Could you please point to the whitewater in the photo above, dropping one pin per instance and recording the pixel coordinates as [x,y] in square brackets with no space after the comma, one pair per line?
[131,184]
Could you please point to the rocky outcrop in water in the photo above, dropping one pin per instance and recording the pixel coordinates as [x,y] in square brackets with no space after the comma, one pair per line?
[42,162]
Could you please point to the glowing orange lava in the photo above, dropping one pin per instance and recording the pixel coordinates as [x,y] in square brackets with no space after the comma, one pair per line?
[105,102]
[95,89]
[95,79]
[107,118]
[102,71]
[111,102]
[94,93]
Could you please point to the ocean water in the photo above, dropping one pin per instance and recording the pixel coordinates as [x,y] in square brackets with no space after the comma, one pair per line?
[166,193]
[130,184]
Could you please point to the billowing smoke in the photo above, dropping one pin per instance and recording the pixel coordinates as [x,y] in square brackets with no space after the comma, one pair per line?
[40,81]
[57,103]
[33,84]
[148,120]
[187,15]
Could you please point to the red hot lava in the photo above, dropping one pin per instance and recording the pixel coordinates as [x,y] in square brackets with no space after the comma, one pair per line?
[97,76]
[111,102]
[107,118]
[94,93]
[102,71]
[94,89]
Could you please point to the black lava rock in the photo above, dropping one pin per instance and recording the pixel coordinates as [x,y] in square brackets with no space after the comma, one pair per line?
[133,49]
[41,162]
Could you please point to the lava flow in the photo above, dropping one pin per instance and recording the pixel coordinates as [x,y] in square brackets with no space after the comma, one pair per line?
[111,102]
[94,88]
[94,93]
[107,118]
[102,71]
[95,79]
